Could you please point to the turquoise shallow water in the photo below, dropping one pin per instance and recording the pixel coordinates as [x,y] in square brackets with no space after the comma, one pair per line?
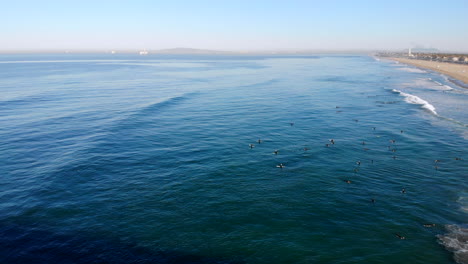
[146,159]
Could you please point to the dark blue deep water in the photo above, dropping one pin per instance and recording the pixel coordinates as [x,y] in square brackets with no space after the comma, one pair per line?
[147,159]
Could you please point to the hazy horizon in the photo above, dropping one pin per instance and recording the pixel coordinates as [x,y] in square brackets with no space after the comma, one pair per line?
[190,50]
[241,26]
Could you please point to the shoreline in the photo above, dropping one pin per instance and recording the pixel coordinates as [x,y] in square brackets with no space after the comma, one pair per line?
[458,72]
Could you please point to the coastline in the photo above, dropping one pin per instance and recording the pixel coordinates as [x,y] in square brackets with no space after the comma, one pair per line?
[457,71]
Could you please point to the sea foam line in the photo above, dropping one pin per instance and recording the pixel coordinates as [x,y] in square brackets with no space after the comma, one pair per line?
[413,99]
[448,87]
[456,241]
[415,70]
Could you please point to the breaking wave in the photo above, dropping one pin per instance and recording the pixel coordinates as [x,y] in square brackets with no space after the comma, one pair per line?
[413,99]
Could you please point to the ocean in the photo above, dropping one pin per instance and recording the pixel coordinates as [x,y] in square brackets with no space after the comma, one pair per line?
[230,159]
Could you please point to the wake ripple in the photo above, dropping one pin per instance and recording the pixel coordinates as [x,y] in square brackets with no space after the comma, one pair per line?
[413,99]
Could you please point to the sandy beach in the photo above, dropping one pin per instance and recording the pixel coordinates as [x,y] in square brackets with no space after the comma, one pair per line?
[456,71]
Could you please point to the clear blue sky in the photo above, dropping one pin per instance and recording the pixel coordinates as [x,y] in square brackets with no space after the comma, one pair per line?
[233,25]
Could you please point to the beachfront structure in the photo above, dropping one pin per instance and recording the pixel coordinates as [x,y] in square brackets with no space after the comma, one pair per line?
[441,57]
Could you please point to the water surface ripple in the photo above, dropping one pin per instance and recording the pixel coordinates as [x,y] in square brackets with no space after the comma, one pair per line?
[157,159]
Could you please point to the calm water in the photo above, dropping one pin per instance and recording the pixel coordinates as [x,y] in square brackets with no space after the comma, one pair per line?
[146,159]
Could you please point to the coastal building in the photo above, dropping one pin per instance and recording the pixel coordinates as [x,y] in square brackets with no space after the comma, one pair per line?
[439,57]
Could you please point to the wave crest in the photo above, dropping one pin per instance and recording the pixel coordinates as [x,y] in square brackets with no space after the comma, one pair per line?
[164,103]
[413,99]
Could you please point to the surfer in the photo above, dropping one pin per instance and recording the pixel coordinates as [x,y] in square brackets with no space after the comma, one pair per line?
[251,146]
[276,152]
[280,166]
[428,225]
[399,236]
[259,141]
[403,190]
[332,141]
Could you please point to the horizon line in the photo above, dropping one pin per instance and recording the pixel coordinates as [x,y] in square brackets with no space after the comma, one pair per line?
[202,51]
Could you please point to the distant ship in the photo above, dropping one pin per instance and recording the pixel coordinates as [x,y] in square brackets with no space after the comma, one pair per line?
[144,52]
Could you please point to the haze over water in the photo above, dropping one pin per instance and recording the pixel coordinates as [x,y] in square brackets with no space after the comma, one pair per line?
[146,159]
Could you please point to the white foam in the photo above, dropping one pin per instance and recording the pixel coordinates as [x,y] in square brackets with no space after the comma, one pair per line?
[456,240]
[413,99]
[415,70]
[448,87]
[463,201]
[428,83]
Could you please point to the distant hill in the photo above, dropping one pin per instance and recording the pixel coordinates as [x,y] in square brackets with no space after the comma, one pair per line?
[189,51]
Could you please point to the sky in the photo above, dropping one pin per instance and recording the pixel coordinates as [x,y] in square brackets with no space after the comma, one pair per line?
[238,25]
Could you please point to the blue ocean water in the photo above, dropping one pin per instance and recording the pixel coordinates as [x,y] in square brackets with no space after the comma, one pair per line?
[170,159]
